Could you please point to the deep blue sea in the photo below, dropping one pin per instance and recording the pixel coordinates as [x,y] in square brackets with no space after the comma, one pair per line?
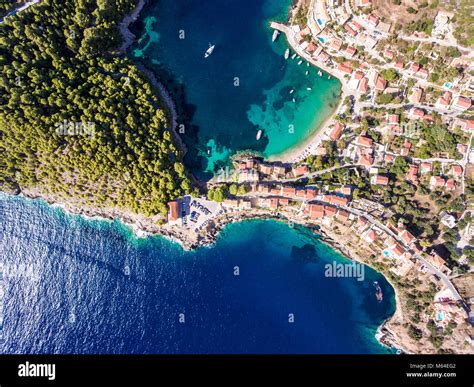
[72,285]
[246,85]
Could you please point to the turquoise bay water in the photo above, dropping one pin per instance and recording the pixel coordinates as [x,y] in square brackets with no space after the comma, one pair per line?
[244,86]
[73,285]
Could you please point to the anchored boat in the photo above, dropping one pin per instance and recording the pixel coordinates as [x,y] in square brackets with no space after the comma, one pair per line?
[210,50]
[378,293]
[275,35]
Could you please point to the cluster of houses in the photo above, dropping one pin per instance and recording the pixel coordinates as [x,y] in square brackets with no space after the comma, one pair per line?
[252,170]
[436,181]
[362,151]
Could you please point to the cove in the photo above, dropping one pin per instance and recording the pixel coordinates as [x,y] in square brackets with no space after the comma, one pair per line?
[246,85]
[91,286]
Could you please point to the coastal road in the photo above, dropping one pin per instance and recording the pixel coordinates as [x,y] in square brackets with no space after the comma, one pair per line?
[464,163]
[407,106]
[317,173]
[444,278]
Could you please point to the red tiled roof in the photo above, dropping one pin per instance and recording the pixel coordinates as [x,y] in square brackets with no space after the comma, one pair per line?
[380,83]
[414,67]
[301,170]
[457,170]
[173,210]
[463,102]
[351,51]
[342,215]
[365,141]
[329,211]
[345,68]
[398,250]
[311,193]
[451,184]
[316,211]
[426,167]
[334,199]
[289,191]
[372,235]
[423,72]
[366,160]
[438,181]
[364,85]
[381,180]
[349,30]
[407,236]
[394,118]
[311,47]
[399,65]
[336,131]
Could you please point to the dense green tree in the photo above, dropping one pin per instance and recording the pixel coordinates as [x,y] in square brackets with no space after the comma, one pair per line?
[76,120]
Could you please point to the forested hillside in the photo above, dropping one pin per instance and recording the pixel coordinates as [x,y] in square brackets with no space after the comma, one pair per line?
[59,71]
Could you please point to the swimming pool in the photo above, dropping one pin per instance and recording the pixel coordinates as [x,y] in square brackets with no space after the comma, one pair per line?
[320,21]
[321,39]
[448,85]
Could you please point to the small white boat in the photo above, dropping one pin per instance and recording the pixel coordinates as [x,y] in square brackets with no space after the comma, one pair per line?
[259,134]
[287,53]
[307,64]
[210,50]
[292,91]
[329,77]
[293,56]
[309,88]
[275,35]
[294,100]
[300,62]
[307,72]
[320,73]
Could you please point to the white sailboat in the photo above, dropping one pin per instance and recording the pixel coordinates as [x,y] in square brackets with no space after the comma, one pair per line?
[300,62]
[259,134]
[287,53]
[275,35]
[320,73]
[210,50]
[293,56]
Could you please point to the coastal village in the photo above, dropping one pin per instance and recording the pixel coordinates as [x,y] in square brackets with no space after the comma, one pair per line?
[388,180]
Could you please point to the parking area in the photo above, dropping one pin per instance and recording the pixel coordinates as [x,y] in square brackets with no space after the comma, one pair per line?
[199,212]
